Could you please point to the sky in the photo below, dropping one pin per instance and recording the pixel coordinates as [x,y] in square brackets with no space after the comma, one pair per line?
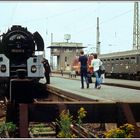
[77,18]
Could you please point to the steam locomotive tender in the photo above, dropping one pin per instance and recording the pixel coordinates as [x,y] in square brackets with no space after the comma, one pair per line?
[18,57]
[122,65]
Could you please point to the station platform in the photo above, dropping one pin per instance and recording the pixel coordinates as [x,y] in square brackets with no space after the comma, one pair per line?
[107,93]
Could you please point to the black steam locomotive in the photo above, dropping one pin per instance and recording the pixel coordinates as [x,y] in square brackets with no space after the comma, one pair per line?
[20,58]
[125,65]
[17,52]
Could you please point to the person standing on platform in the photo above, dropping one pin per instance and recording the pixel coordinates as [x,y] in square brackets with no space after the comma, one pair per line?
[90,67]
[83,66]
[61,71]
[96,63]
[102,74]
[47,70]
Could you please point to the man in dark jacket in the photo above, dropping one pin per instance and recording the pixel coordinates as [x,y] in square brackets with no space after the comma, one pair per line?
[47,70]
[83,69]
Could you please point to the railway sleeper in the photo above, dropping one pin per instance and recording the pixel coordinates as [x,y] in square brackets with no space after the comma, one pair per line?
[97,113]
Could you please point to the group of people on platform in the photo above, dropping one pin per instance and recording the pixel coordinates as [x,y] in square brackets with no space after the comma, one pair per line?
[93,69]
[85,69]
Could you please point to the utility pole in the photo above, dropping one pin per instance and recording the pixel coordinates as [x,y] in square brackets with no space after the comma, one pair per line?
[136,29]
[97,38]
[44,55]
[51,57]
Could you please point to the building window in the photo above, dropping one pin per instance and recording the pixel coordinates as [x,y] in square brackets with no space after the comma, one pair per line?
[54,50]
[70,49]
[65,59]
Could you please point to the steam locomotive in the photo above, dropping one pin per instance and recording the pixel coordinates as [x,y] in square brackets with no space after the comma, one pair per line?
[124,65]
[17,52]
[18,55]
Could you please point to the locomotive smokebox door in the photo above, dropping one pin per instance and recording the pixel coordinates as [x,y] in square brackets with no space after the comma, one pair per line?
[21,90]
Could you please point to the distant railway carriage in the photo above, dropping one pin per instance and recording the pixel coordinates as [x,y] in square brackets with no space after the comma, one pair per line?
[124,64]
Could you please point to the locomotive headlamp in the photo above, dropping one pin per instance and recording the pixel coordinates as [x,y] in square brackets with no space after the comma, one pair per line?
[33,69]
[3,68]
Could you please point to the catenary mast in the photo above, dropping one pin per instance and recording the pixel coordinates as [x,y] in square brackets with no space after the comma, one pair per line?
[98,38]
[136,29]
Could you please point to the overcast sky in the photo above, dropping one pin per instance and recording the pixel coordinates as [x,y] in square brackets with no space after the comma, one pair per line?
[76,18]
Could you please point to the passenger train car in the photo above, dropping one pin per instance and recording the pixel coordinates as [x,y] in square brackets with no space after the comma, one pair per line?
[125,65]
[121,65]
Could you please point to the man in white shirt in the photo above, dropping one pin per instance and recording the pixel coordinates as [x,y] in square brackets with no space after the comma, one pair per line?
[96,63]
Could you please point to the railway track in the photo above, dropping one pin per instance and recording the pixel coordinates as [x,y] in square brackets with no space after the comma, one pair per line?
[100,113]
[38,113]
[9,113]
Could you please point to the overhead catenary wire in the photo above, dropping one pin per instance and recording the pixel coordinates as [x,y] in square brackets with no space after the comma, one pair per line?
[104,22]
[66,13]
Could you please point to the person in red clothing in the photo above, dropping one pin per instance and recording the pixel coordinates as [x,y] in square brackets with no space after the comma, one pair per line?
[90,67]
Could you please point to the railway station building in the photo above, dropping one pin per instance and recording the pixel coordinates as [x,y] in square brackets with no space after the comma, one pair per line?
[64,52]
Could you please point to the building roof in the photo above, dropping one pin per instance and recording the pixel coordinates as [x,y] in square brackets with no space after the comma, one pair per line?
[66,45]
